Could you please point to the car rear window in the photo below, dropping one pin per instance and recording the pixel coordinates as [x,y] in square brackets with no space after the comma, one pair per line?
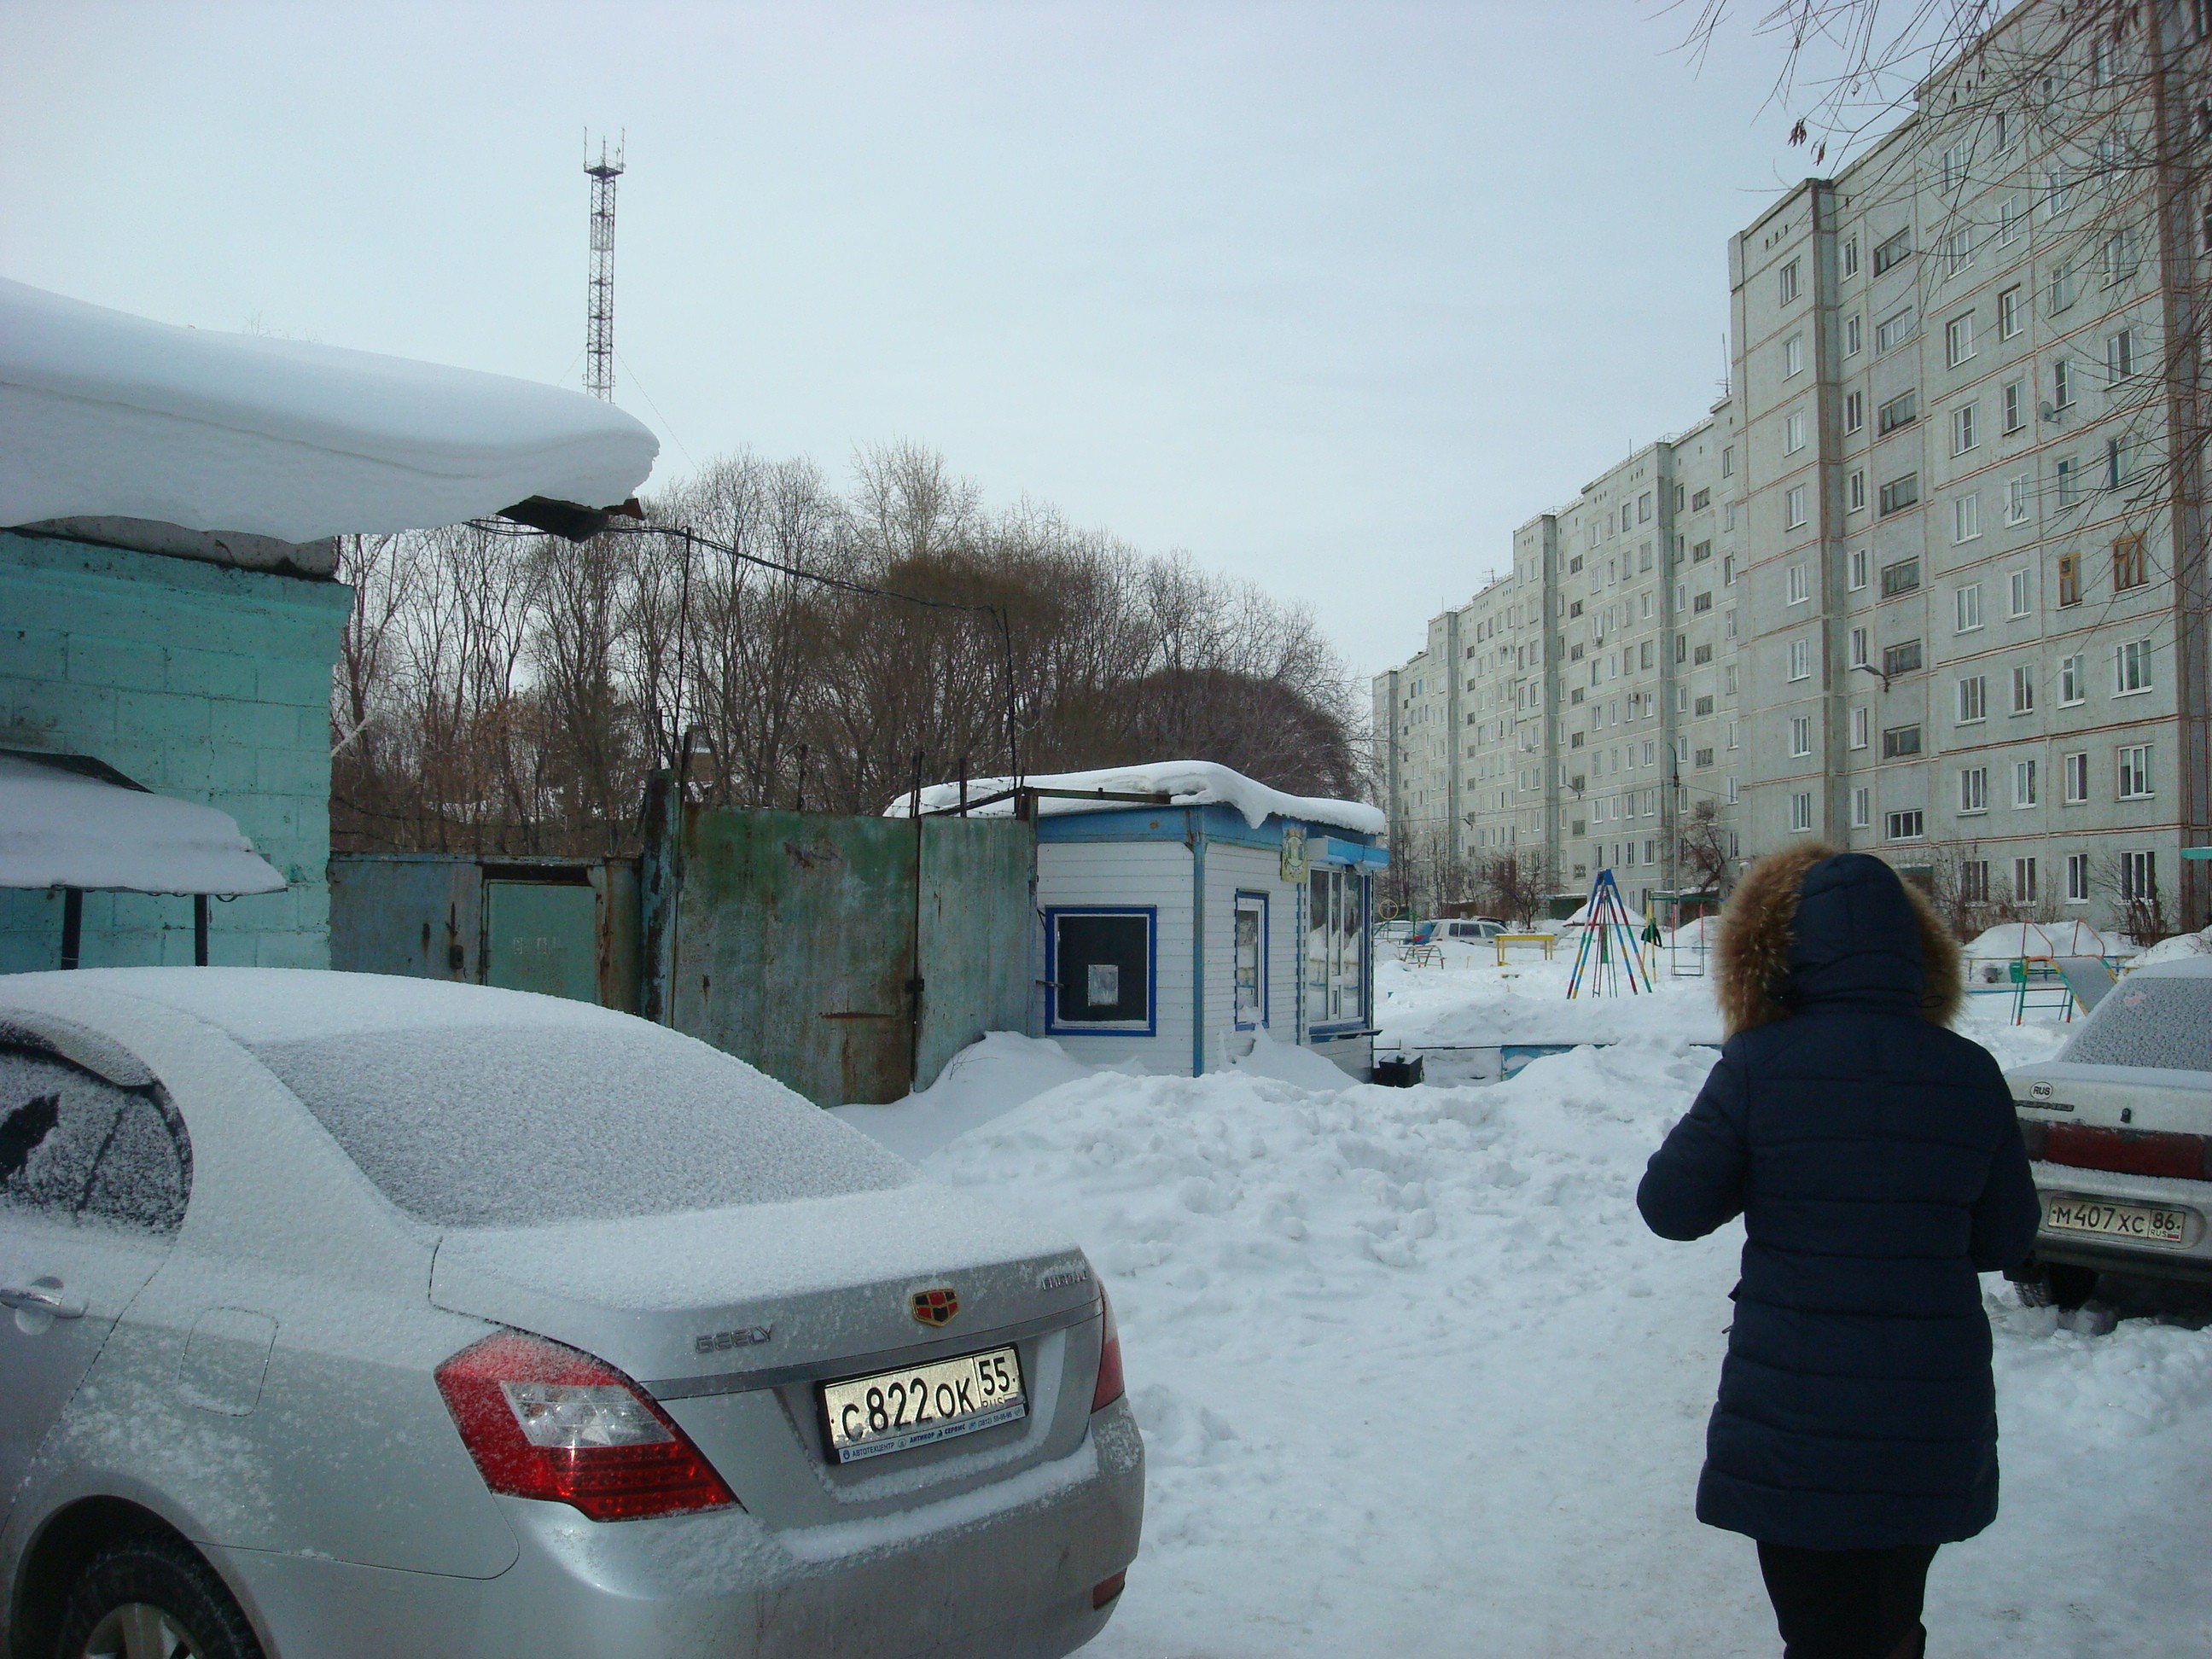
[518,1125]
[2164,1023]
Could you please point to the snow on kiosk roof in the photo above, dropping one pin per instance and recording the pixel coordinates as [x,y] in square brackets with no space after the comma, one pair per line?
[105,415]
[1186,783]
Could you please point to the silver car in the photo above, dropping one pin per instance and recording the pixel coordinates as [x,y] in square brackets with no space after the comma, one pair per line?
[356,1315]
[2120,1128]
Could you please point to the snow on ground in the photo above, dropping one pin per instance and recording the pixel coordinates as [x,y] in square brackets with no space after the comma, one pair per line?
[1415,1380]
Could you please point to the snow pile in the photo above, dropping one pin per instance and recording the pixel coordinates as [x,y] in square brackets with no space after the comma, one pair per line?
[64,829]
[2180,948]
[1414,1379]
[986,1079]
[1187,783]
[2009,941]
[106,415]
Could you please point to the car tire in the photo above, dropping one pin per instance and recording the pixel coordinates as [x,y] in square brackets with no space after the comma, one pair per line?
[2071,1286]
[151,1596]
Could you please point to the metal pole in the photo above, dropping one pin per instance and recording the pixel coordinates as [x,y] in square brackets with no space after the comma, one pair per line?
[914,984]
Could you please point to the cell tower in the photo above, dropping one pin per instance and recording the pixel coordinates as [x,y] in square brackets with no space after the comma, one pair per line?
[599,332]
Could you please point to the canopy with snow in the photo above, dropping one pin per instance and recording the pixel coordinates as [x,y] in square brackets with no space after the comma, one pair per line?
[71,824]
[1186,783]
[105,415]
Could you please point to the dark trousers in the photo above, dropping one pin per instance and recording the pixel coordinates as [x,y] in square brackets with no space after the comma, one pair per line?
[1847,1604]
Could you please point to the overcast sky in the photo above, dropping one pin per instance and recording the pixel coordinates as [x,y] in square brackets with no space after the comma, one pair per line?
[1331,297]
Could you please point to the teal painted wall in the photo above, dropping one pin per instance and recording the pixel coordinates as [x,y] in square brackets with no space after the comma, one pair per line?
[195,680]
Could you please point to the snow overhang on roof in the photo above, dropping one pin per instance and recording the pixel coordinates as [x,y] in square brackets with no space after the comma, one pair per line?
[65,822]
[105,415]
[1185,783]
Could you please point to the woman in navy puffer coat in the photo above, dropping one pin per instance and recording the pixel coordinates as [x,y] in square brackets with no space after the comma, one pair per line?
[1878,1166]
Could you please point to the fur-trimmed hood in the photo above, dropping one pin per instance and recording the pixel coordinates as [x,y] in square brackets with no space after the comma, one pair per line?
[1818,924]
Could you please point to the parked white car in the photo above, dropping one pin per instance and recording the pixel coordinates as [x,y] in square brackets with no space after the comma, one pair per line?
[2119,1126]
[350,1316]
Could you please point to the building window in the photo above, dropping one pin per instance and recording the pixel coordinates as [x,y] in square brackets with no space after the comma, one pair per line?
[1862,808]
[1893,330]
[1801,659]
[1851,322]
[2069,471]
[2120,355]
[1966,608]
[2023,783]
[2139,876]
[1728,461]
[1793,356]
[1974,791]
[1701,501]
[2063,287]
[1335,933]
[1793,433]
[1958,251]
[1890,250]
[2072,682]
[1962,428]
[1801,812]
[2077,878]
[2131,568]
[2023,691]
[2008,313]
[1966,519]
[1898,660]
[1795,505]
[1700,604]
[2135,771]
[1900,742]
[2018,489]
[1900,410]
[1900,493]
[1974,881]
[1858,578]
[1854,412]
[1790,282]
[1859,647]
[1973,699]
[1953,168]
[1958,339]
[2023,881]
[2017,591]
[1859,723]
[1855,490]
[1903,577]
[2070,579]
[2117,260]
[2062,384]
[2130,668]
[1101,969]
[2074,776]
[1801,736]
[1801,584]
[1851,256]
[1906,826]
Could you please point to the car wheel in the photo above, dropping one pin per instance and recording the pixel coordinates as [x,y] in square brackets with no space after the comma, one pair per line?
[2071,1286]
[152,1597]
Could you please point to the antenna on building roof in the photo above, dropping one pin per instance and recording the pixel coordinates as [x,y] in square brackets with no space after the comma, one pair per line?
[599,328]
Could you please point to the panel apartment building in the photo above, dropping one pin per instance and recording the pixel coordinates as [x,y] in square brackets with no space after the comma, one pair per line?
[1954,609]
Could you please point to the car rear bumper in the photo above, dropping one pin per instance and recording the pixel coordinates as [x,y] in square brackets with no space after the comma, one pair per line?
[1005,1572]
[2189,1260]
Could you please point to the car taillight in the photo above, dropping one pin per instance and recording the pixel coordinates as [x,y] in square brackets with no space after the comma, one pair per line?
[1107,1588]
[2123,1151]
[546,1421]
[1110,1386]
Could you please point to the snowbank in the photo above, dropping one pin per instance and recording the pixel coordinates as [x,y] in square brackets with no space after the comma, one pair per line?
[2009,941]
[64,829]
[1415,1380]
[2179,948]
[1188,783]
[103,414]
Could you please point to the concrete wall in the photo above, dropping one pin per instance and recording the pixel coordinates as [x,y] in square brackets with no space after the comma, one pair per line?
[198,681]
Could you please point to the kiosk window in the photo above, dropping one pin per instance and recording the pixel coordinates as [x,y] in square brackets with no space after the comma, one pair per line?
[1102,969]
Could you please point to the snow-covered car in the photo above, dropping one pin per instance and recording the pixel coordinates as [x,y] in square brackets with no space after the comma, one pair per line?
[363,1315]
[1467,930]
[2119,1126]
[1398,931]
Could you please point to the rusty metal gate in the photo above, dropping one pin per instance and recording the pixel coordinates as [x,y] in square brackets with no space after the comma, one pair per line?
[849,957]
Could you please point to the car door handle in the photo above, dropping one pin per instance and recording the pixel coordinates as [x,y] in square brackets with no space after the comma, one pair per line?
[40,1298]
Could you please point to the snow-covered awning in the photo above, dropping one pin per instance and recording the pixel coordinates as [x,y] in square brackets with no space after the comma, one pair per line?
[1186,783]
[104,415]
[65,823]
